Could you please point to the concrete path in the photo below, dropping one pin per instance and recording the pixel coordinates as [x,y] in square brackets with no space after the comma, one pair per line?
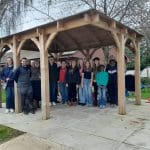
[81,128]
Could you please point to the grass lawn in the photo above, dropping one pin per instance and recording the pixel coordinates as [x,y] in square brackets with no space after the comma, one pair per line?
[7,133]
[145,94]
[3,96]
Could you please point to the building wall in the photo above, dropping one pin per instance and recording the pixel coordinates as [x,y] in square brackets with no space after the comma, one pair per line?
[98,53]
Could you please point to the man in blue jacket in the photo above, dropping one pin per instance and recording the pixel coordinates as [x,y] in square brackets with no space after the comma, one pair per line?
[7,80]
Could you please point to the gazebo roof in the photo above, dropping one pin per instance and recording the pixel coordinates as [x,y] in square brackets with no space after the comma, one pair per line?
[77,38]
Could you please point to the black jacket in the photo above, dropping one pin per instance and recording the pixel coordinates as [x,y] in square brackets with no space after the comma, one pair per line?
[112,72]
[73,75]
[53,73]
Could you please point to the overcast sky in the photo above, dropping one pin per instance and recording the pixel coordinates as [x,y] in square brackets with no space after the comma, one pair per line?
[34,17]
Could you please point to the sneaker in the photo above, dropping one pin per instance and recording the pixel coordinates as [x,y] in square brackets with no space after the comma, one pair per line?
[114,106]
[7,111]
[101,106]
[12,110]
[53,103]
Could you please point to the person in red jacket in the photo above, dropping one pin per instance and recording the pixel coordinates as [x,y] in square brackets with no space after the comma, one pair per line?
[62,82]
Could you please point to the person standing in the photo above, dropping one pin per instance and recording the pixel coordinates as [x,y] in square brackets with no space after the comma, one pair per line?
[96,63]
[36,83]
[22,76]
[112,82]
[73,81]
[7,79]
[102,81]
[62,82]
[86,82]
[53,78]
[81,96]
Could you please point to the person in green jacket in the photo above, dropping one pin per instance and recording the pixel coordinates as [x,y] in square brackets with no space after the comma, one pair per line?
[102,81]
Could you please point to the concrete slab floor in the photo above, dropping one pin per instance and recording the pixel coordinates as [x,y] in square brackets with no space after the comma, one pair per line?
[83,128]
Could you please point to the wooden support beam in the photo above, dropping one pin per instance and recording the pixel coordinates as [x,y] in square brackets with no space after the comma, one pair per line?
[120,43]
[96,21]
[50,39]
[0,95]
[44,77]
[92,52]
[70,24]
[113,24]
[60,25]
[83,52]
[87,18]
[16,59]
[0,80]
[137,74]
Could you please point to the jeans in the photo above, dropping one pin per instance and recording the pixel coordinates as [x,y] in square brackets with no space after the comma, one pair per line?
[126,93]
[87,91]
[9,97]
[81,95]
[53,91]
[101,98]
[64,92]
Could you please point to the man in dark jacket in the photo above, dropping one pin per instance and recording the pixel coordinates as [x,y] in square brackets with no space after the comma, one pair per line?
[112,82]
[22,76]
[53,78]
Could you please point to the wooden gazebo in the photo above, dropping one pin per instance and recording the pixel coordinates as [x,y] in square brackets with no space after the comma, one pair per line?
[89,29]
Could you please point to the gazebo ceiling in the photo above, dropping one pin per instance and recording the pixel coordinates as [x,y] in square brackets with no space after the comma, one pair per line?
[85,37]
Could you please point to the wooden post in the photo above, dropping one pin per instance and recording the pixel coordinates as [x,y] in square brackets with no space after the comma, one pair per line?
[0,95]
[0,83]
[120,42]
[44,77]
[137,74]
[121,76]
[16,60]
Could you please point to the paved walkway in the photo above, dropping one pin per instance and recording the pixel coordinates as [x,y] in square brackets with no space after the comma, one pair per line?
[81,128]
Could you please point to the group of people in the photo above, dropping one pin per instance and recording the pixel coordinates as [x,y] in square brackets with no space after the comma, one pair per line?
[78,82]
